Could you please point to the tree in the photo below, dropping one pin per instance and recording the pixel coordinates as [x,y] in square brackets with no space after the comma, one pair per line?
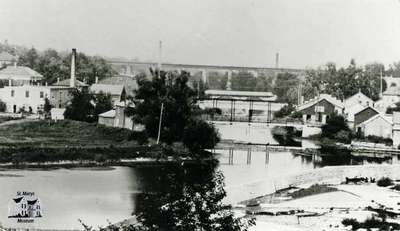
[336,128]
[3,106]
[81,107]
[180,110]
[243,81]
[47,107]
[102,104]
[29,59]
[286,86]
[199,135]
[217,80]
[188,198]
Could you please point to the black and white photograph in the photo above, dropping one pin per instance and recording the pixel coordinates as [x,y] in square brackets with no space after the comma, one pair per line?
[199,115]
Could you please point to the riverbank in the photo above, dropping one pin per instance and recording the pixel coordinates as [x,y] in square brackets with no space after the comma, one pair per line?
[67,143]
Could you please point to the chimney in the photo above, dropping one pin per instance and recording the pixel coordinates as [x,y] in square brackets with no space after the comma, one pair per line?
[277,60]
[73,62]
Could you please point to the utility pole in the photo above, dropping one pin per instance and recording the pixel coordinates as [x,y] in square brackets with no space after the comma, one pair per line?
[381,86]
[159,123]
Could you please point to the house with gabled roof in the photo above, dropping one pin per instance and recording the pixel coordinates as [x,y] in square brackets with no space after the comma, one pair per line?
[117,92]
[318,109]
[358,98]
[377,125]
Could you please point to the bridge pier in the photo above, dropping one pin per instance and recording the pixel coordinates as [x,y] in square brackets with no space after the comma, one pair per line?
[230,156]
[229,82]
[249,156]
[204,76]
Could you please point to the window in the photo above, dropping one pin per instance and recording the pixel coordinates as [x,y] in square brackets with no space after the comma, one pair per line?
[41,94]
[319,109]
[12,93]
[27,94]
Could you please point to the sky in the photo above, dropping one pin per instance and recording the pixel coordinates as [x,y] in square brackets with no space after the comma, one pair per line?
[306,33]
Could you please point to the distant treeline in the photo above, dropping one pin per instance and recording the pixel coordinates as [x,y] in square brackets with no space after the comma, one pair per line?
[53,64]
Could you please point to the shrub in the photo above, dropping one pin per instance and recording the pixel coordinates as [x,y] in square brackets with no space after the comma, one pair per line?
[3,106]
[284,111]
[384,182]
[396,187]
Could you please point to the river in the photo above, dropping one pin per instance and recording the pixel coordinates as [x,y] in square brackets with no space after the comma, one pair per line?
[100,195]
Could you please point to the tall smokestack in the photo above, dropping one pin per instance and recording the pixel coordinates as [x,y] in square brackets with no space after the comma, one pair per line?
[73,62]
[277,60]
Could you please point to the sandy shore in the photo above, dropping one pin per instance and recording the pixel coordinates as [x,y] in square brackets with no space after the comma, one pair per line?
[349,202]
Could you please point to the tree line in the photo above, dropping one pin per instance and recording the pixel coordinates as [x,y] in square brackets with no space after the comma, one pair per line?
[54,65]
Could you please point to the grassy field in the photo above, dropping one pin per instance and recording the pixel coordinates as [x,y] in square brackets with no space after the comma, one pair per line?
[63,133]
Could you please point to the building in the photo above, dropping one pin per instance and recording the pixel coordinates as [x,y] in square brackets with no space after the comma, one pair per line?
[107,118]
[241,105]
[377,125]
[31,98]
[67,83]
[20,75]
[318,109]
[396,129]
[358,98]
[117,92]
[364,115]
[7,59]
[117,117]
[351,111]
[389,98]
[128,81]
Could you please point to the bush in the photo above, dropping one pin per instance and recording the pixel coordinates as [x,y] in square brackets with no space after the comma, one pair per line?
[284,111]
[3,106]
[200,135]
[343,136]
[396,187]
[384,182]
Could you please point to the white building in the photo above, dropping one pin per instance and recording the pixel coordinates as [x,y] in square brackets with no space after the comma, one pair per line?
[389,98]
[378,125]
[117,117]
[30,98]
[396,129]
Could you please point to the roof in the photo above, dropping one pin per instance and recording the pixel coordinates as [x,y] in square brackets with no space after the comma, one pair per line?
[5,56]
[19,73]
[366,109]
[239,93]
[375,117]
[66,82]
[319,98]
[128,81]
[359,94]
[392,91]
[108,114]
[107,89]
